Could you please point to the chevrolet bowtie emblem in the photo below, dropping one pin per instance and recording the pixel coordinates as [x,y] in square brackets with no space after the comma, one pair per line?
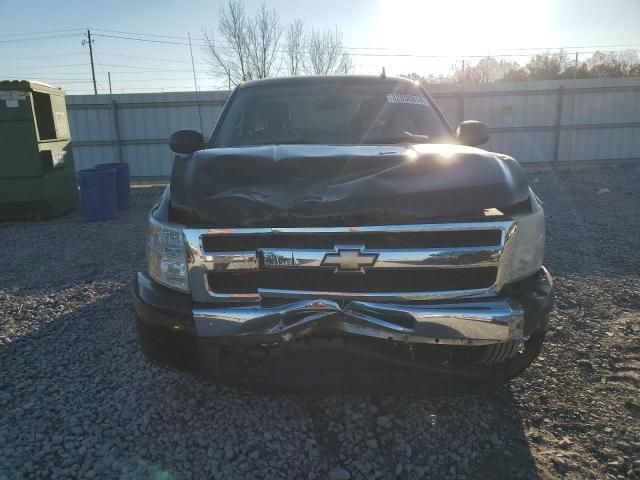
[349,259]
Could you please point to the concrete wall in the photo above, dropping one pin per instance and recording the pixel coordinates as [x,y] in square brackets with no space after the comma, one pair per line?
[536,122]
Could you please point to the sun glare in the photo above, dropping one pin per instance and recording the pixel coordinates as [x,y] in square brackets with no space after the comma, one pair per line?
[466,27]
[444,151]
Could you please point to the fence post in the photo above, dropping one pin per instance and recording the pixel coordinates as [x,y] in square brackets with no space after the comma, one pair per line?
[461,104]
[558,123]
[116,129]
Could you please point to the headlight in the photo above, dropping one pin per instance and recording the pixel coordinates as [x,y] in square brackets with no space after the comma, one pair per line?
[528,250]
[166,255]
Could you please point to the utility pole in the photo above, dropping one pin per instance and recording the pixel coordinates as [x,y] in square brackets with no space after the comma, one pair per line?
[93,71]
[195,82]
[575,70]
[109,75]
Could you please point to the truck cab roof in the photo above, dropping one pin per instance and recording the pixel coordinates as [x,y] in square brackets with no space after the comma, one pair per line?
[302,79]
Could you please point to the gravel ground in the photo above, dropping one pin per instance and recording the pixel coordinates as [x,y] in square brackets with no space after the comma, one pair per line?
[78,400]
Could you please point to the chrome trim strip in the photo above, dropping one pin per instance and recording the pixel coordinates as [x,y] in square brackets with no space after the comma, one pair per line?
[475,323]
[424,227]
[421,296]
[506,256]
[217,296]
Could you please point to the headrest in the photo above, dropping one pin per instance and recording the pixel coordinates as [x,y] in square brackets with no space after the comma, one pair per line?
[274,113]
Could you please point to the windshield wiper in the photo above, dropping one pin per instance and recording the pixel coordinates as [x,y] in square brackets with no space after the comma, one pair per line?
[404,137]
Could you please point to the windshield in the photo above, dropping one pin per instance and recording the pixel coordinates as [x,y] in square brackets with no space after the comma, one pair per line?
[331,113]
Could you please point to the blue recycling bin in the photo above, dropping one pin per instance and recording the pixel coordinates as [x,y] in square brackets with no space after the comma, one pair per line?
[122,182]
[98,196]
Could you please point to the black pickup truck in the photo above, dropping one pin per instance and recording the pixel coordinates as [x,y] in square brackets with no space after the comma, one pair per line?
[338,221]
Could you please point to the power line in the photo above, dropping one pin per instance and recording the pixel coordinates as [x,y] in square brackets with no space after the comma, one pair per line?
[39,38]
[185,43]
[105,74]
[127,80]
[387,55]
[135,70]
[378,48]
[204,39]
[157,74]
[45,56]
[40,33]
[143,34]
[151,69]
[165,87]
[76,81]
[50,66]
[57,79]
[399,53]
[143,39]
[144,58]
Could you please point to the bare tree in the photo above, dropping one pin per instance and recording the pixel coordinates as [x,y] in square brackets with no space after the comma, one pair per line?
[430,79]
[263,34]
[229,57]
[294,44]
[246,47]
[492,69]
[325,53]
[613,64]
[486,70]
[346,64]
[548,66]
[542,66]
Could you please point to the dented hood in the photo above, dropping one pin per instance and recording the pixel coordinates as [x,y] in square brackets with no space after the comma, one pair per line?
[319,185]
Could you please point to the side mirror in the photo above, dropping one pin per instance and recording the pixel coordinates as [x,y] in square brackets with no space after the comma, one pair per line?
[186,141]
[472,133]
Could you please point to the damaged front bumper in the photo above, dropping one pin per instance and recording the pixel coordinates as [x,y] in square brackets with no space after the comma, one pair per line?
[180,334]
[465,322]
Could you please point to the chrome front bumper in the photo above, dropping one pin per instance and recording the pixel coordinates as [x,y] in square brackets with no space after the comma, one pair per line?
[471,322]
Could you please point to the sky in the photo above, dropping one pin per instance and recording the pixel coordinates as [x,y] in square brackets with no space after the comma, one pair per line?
[43,40]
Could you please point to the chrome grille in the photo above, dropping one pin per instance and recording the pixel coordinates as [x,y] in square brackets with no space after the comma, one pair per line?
[413,262]
[266,238]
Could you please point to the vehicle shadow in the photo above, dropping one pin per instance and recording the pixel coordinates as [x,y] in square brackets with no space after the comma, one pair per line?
[441,429]
[79,401]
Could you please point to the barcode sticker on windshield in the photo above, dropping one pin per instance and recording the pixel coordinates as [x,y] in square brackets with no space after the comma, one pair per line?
[405,98]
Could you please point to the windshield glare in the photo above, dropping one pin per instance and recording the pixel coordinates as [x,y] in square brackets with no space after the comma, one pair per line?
[331,113]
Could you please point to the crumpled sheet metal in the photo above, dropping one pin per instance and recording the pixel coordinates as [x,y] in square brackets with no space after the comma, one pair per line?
[304,185]
[458,323]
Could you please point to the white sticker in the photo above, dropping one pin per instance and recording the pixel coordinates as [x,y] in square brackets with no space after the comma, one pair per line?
[406,98]
[60,121]
[12,103]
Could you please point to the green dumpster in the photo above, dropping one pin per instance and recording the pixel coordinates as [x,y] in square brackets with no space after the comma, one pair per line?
[37,175]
